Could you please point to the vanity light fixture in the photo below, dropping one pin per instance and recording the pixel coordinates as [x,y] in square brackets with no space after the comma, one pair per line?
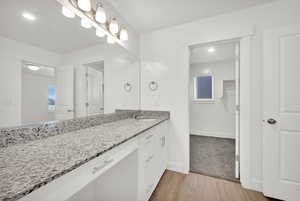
[123,35]
[110,40]
[100,33]
[33,68]
[211,50]
[67,13]
[92,14]
[85,5]
[100,14]
[85,23]
[114,26]
[29,16]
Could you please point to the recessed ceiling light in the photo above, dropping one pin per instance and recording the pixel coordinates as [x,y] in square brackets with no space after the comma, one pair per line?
[32,67]
[211,50]
[29,16]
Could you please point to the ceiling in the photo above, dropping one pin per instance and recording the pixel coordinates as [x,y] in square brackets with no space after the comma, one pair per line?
[54,32]
[223,52]
[51,30]
[149,15]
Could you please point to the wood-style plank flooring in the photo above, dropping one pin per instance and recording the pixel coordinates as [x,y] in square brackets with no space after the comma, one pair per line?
[195,187]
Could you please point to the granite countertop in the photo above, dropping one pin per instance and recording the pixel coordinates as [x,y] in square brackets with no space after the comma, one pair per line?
[26,167]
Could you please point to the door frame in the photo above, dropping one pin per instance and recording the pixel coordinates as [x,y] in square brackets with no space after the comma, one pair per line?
[87,68]
[245,105]
[84,62]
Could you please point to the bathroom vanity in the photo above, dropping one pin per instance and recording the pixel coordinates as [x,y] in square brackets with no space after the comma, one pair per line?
[120,160]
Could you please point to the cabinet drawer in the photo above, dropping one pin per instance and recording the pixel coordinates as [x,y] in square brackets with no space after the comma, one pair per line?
[148,137]
[147,150]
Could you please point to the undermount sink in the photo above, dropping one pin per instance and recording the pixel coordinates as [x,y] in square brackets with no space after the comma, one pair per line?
[145,118]
[150,119]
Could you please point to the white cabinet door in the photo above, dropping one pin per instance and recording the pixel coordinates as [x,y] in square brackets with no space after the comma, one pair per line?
[146,164]
[281,142]
[161,149]
[88,193]
[64,93]
[152,159]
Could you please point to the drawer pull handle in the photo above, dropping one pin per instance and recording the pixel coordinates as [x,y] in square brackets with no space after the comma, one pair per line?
[149,158]
[148,137]
[109,161]
[163,141]
[100,167]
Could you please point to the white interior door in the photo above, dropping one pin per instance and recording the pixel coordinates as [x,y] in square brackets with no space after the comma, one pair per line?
[95,92]
[237,110]
[64,93]
[281,140]
[80,91]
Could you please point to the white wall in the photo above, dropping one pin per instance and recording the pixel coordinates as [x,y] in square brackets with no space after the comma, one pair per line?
[12,53]
[217,118]
[35,98]
[119,67]
[165,58]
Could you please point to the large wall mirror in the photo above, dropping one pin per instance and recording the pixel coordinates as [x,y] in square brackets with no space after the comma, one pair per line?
[52,68]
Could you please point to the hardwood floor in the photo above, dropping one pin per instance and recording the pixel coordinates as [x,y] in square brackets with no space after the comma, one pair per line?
[195,187]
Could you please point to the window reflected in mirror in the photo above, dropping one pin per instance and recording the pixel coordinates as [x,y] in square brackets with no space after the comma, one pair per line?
[204,88]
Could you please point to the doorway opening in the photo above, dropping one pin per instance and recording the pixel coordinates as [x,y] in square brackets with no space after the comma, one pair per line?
[38,93]
[214,109]
[89,89]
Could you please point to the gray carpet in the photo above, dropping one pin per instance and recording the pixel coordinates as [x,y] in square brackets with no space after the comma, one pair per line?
[213,156]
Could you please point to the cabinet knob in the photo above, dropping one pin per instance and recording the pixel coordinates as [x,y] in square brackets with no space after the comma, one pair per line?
[271,121]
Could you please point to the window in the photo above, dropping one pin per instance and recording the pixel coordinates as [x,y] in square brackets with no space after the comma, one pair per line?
[51,98]
[204,88]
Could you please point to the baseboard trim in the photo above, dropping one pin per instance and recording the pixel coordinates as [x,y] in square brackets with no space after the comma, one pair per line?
[254,184]
[257,185]
[212,133]
[177,168]
[217,177]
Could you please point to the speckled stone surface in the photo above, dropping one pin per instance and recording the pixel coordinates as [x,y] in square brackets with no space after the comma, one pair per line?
[27,166]
[24,134]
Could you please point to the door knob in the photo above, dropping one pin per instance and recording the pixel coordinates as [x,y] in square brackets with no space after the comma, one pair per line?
[271,121]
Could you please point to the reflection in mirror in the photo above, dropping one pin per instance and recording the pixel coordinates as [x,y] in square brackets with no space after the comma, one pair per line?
[51,68]
[89,98]
[38,93]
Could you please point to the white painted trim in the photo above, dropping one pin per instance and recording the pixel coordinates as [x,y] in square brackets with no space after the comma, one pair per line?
[207,133]
[245,113]
[257,185]
[177,167]
[245,118]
